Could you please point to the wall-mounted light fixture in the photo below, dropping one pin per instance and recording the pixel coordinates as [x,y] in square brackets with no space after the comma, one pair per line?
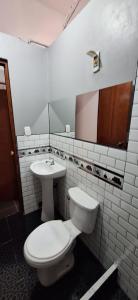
[95,60]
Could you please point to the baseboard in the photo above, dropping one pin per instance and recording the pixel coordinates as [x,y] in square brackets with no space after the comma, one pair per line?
[104,286]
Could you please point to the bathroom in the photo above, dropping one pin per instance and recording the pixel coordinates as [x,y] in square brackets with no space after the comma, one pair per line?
[63,65]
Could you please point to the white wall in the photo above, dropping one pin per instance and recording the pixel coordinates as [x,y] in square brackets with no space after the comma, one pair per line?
[61,113]
[108,26]
[29,83]
[111,27]
[115,237]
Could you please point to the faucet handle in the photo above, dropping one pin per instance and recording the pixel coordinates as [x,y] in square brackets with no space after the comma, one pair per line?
[52,161]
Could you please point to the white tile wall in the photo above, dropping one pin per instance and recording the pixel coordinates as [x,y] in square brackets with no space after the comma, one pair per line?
[116,233]
[116,227]
[31,188]
[115,236]
[32,141]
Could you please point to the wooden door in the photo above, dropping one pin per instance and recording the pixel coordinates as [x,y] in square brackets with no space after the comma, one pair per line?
[8,169]
[114,115]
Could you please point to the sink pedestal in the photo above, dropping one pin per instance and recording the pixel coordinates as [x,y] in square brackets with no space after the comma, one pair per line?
[47,200]
[46,171]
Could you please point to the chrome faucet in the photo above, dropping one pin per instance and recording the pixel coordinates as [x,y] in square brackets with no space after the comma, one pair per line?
[50,162]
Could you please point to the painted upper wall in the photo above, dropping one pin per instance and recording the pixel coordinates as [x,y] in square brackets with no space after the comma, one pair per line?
[108,26]
[62,113]
[29,83]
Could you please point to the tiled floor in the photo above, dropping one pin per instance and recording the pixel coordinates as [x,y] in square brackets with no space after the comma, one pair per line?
[110,290]
[19,281]
[8,208]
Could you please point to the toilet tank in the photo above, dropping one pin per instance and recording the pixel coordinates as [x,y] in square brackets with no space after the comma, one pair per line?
[83,210]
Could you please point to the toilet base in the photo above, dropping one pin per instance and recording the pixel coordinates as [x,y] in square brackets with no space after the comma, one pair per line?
[48,276]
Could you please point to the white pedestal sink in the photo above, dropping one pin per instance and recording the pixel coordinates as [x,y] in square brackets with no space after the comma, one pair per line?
[46,171]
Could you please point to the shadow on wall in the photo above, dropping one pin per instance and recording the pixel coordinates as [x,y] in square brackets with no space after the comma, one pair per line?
[41,124]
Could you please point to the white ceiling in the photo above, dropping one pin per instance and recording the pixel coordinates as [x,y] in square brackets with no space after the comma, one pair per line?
[38,20]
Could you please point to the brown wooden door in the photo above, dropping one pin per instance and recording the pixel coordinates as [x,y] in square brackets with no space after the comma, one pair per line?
[114,115]
[8,178]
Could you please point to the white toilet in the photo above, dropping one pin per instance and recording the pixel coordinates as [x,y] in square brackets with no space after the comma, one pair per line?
[49,247]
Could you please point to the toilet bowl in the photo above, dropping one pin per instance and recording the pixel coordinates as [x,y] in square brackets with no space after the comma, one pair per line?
[49,248]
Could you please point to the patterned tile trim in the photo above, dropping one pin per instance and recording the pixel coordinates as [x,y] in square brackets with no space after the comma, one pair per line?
[33,151]
[96,170]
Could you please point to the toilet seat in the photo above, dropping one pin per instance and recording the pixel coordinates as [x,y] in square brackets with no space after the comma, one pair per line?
[47,243]
[49,248]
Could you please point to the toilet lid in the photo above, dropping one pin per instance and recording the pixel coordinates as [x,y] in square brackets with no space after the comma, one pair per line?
[48,240]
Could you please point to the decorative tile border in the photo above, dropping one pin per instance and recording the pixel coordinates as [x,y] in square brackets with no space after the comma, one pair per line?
[96,170]
[102,173]
[33,151]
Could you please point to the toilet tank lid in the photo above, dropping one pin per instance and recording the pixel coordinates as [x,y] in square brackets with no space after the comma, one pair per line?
[82,199]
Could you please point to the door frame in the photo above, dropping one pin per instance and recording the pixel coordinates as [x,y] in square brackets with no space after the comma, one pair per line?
[4,63]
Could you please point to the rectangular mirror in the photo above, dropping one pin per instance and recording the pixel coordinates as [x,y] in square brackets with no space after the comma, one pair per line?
[101,116]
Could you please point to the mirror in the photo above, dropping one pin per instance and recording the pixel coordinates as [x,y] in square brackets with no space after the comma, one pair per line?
[62,112]
[101,116]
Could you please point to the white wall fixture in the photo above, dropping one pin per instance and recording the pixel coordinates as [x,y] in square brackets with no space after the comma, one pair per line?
[46,171]
[27,130]
[95,60]
[49,248]
[67,128]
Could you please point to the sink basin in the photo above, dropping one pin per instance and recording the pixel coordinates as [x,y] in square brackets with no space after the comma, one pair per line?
[46,172]
[43,170]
